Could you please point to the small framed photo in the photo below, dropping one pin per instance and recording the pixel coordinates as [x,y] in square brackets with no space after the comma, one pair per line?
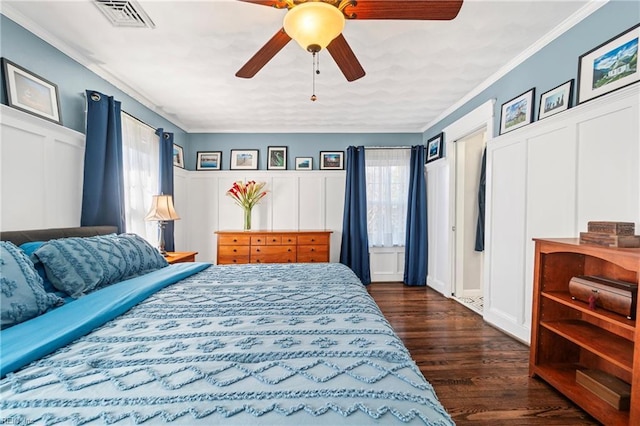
[304,163]
[610,66]
[517,112]
[178,156]
[331,160]
[434,147]
[244,159]
[277,158]
[556,100]
[31,93]
[209,160]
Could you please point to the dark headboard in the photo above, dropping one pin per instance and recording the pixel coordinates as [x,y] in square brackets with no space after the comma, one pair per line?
[21,237]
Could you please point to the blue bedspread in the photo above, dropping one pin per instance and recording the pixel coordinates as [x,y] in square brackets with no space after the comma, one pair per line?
[233,345]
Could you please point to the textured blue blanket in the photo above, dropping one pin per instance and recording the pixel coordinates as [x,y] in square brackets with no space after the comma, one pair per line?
[254,344]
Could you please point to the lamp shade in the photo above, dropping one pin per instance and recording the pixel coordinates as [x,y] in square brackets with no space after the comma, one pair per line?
[313,24]
[162,209]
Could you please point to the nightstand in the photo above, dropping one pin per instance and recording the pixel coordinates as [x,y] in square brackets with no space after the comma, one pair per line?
[181,256]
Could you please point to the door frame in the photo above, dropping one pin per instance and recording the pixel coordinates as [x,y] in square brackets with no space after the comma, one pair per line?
[470,123]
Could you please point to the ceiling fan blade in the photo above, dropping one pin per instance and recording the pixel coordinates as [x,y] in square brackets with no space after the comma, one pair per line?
[406,9]
[264,55]
[345,58]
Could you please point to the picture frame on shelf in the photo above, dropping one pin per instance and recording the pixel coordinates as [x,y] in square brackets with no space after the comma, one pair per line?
[304,163]
[556,100]
[178,156]
[517,112]
[31,93]
[244,159]
[331,160]
[277,158]
[208,160]
[609,66]
[435,148]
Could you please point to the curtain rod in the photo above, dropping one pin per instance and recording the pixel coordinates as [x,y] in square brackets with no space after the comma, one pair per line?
[137,119]
[387,147]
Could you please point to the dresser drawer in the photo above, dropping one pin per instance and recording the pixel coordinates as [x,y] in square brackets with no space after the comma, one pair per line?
[313,239]
[233,251]
[273,254]
[289,239]
[233,240]
[231,259]
[308,254]
[258,240]
[273,240]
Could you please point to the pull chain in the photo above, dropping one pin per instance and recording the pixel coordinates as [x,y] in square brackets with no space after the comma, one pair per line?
[316,70]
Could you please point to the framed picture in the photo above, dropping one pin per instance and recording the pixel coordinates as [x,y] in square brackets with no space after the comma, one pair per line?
[209,160]
[331,160]
[434,147]
[277,158]
[178,156]
[610,66]
[31,93]
[244,159]
[556,100]
[517,112]
[304,163]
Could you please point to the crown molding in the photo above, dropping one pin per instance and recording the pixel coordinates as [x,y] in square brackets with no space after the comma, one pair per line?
[563,27]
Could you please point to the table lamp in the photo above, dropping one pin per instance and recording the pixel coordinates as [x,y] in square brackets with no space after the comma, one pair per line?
[162,211]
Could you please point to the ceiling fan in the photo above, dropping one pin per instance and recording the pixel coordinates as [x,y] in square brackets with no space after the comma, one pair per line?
[318,24]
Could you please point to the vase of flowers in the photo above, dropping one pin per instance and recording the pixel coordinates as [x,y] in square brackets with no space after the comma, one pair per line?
[247,195]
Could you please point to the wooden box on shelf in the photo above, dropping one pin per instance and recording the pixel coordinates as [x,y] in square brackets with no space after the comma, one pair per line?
[567,336]
[606,386]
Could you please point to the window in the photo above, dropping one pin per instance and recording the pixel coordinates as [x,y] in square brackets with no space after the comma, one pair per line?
[387,194]
[141,164]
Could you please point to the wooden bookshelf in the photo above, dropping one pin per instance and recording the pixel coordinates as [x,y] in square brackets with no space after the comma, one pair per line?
[567,336]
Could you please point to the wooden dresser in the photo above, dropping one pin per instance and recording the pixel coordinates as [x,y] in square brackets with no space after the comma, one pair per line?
[273,246]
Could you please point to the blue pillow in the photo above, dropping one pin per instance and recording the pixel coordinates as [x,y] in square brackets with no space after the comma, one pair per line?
[29,248]
[80,265]
[23,296]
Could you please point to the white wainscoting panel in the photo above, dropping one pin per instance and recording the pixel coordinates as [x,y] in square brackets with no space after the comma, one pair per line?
[547,180]
[387,263]
[295,200]
[41,172]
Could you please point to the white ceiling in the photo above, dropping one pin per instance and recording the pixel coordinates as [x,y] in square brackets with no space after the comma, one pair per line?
[185,68]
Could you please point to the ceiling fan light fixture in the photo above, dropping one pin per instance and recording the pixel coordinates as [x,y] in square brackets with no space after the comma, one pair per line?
[314,24]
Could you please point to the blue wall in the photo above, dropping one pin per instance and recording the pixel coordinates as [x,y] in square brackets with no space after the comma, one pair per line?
[548,68]
[554,64]
[298,144]
[25,49]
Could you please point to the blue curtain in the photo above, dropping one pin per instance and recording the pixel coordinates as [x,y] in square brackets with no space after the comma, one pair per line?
[481,203]
[355,243]
[103,187]
[166,181]
[416,246]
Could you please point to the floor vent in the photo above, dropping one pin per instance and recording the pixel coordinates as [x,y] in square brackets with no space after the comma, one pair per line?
[124,13]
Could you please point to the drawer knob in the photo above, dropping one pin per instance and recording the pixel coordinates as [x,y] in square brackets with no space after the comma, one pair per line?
[257,260]
[312,240]
[235,250]
[235,240]
[289,250]
[259,240]
[234,261]
[289,260]
[274,240]
[313,249]
[258,250]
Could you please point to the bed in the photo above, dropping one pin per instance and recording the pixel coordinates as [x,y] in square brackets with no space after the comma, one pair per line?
[194,343]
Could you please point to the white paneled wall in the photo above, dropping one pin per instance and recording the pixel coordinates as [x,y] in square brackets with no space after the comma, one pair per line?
[549,179]
[41,172]
[438,224]
[296,200]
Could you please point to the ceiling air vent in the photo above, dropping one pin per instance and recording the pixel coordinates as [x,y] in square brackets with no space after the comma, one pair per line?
[124,13]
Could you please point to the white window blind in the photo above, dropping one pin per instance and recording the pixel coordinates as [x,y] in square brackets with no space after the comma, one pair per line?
[141,164]
[387,194]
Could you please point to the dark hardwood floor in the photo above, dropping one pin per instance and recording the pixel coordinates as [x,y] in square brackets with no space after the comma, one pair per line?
[479,373]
